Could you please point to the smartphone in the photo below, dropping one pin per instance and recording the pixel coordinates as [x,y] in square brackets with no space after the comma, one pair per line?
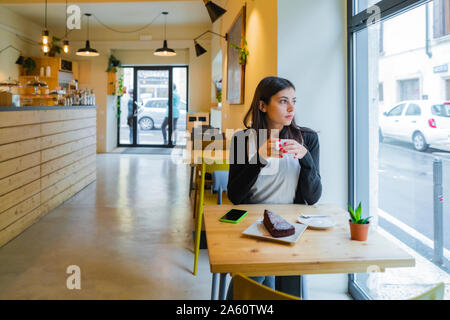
[234,216]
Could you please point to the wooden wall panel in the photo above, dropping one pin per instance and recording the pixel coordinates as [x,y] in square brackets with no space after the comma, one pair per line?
[56,152]
[11,199]
[67,182]
[17,149]
[20,179]
[13,214]
[66,137]
[56,164]
[16,165]
[46,157]
[19,118]
[60,174]
[13,230]
[61,115]
[13,134]
[64,126]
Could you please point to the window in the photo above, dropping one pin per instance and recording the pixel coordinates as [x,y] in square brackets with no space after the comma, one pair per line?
[447,85]
[381,91]
[413,110]
[397,111]
[390,174]
[441,14]
[442,110]
[409,89]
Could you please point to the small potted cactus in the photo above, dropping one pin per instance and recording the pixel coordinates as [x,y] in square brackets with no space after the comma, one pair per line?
[359,227]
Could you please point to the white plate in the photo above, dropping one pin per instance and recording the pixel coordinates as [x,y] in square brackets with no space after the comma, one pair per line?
[258,230]
[317,223]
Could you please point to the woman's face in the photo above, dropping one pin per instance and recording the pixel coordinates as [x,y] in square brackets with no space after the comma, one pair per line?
[280,110]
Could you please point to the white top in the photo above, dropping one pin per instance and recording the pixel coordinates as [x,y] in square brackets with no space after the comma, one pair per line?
[277,182]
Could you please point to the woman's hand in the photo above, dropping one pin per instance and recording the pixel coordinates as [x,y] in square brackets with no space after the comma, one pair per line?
[271,149]
[292,146]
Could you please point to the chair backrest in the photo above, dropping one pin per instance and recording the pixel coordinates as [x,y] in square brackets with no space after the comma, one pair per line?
[245,288]
[437,293]
[220,180]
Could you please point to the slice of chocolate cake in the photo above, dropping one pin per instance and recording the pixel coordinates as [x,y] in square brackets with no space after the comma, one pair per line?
[277,226]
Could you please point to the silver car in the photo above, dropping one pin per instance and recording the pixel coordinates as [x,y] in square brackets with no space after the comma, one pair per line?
[152,112]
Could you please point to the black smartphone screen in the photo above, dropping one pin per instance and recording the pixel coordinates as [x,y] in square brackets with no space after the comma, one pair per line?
[234,215]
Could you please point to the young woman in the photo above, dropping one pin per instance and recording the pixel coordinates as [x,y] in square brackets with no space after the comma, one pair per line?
[274,161]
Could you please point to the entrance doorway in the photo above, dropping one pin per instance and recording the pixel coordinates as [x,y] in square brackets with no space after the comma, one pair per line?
[152,114]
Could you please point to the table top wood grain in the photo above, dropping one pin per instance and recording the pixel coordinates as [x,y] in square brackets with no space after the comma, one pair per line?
[316,252]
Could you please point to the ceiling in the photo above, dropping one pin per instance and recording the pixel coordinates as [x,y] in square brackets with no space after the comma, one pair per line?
[123,16]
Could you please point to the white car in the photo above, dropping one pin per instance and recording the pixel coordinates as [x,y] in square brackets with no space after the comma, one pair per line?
[421,122]
[152,112]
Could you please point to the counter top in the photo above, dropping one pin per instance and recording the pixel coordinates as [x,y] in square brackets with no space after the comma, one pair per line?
[30,108]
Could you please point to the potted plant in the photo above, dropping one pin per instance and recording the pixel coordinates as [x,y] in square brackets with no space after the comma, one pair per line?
[113,64]
[359,227]
[54,47]
[29,65]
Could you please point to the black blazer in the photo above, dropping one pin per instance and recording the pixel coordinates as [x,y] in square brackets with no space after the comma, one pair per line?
[244,172]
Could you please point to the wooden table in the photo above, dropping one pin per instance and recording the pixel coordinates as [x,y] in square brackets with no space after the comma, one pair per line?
[316,252]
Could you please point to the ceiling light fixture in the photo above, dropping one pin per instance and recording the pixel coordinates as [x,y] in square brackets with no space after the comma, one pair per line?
[215,12]
[45,34]
[199,50]
[65,41]
[88,51]
[165,51]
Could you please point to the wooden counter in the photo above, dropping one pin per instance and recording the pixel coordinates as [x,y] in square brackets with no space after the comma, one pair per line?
[47,155]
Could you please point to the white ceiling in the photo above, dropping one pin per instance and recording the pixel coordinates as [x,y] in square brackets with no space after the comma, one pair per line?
[125,16]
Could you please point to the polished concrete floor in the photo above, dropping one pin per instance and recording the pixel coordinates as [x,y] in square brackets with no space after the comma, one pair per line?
[130,233]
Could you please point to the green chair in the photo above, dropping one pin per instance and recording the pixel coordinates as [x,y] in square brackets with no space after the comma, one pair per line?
[205,197]
[245,288]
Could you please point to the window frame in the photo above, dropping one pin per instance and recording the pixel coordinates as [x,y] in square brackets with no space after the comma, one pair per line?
[355,23]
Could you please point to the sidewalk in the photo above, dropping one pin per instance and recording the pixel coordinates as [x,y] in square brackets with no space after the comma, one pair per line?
[405,283]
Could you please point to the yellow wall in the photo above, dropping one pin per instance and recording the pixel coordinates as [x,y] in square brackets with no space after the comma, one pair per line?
[10,25]
[261,35]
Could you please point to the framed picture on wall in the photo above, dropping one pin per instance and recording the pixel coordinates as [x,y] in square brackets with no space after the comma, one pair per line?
[236,71]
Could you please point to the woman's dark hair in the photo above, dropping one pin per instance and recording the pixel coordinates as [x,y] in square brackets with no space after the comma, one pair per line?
[267,88]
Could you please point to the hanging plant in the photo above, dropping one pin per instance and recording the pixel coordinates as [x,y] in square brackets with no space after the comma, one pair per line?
[113,64]
[243,52]
[119,93]
[54,47]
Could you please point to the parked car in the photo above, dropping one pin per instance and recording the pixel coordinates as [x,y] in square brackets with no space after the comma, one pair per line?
[152,112]
[421,122]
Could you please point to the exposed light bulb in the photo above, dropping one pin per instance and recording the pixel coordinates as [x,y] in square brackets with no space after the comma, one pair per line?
[66,46]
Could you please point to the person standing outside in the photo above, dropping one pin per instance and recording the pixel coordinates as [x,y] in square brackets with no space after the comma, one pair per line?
[130,117]
[175,115]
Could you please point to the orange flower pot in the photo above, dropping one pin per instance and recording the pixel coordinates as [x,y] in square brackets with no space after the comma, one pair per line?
[359,232]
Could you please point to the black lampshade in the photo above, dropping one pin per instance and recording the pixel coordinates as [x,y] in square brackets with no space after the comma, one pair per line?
[199,50]
[215,12]
[87,51]
[20,60]
[165,51]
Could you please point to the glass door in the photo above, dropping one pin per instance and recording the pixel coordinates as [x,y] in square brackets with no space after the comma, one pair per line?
[153,101]
[151,115]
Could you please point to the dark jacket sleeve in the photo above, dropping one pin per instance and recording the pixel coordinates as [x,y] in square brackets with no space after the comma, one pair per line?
[309,187]
[243,172]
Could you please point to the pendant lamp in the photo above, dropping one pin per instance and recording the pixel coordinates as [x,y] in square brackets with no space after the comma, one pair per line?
[165,51]
[88,51]
[45,41]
